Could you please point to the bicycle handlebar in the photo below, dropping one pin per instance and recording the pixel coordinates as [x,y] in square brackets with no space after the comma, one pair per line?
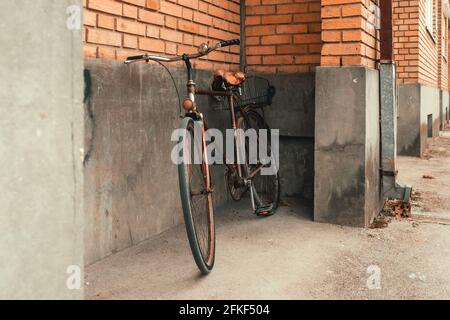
[227,43]
[147,57]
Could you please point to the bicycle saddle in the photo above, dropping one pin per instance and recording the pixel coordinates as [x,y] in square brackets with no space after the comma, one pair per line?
[231,78]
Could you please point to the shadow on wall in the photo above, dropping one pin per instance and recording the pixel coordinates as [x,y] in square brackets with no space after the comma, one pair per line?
[90,120]
[293,112]
[131,185]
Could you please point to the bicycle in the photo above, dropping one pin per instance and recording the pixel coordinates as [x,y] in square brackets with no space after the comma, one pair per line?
[196,189]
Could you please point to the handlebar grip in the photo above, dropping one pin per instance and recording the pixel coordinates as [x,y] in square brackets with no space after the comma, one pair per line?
[227,43]
[136,57]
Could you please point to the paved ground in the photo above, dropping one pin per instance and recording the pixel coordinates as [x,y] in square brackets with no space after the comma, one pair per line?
[430,177]
[290,257]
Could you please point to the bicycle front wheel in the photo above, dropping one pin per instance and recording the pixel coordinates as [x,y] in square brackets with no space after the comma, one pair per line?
[196,195]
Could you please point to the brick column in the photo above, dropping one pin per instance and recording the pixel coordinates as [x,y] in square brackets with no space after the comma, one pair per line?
[349,33]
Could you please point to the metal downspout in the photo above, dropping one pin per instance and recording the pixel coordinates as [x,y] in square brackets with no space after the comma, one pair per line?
[392,189]
[388,111]
[243,56]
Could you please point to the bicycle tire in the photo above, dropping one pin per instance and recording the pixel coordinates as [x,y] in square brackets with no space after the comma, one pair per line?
[203,253]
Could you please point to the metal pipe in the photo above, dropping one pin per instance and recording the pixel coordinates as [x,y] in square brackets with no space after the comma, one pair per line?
[392,189]
[243,56]
[386,38]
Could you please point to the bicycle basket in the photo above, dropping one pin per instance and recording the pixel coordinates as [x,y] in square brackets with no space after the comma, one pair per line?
[257,91]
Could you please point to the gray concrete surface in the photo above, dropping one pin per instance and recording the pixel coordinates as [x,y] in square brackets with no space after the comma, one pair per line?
[286,256]
[430,105]
[416,102]
[41,141]
[293,109]
[445,108]
[373,193]
[347,138]
[131,186]
[444,94]
[297,167]
[408,134]
[430,176]
[293,112]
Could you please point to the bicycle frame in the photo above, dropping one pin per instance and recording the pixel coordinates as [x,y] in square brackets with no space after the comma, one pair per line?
[192,91]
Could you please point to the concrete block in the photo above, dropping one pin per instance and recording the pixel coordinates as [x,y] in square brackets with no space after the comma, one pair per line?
[430,105]
[347,179]
[408,125]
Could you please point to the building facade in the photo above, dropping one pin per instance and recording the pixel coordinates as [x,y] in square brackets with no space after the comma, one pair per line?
[322,55]
[421,54]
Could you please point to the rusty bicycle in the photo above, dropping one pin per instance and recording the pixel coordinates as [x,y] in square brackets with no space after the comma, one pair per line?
[242,177]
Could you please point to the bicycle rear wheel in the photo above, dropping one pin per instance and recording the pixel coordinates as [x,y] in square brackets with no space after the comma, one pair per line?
[265,187]
[196,196]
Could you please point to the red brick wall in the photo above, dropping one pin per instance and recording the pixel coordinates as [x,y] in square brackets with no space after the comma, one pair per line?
[448,56]
[418,50]
[115,29]
[428,50]
[283,35]
[406,40]
[349,33]
[442,59]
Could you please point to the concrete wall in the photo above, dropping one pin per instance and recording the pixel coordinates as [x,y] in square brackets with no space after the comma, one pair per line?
[41,130]
[297,167]
[446,108]
[373,190]
[293,112]
[131,185]
[430,104]
[408,125]
[416,102]
[443,108]
[347,138]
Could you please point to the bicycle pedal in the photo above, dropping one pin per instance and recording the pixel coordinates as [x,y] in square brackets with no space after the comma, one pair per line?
[264,212]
